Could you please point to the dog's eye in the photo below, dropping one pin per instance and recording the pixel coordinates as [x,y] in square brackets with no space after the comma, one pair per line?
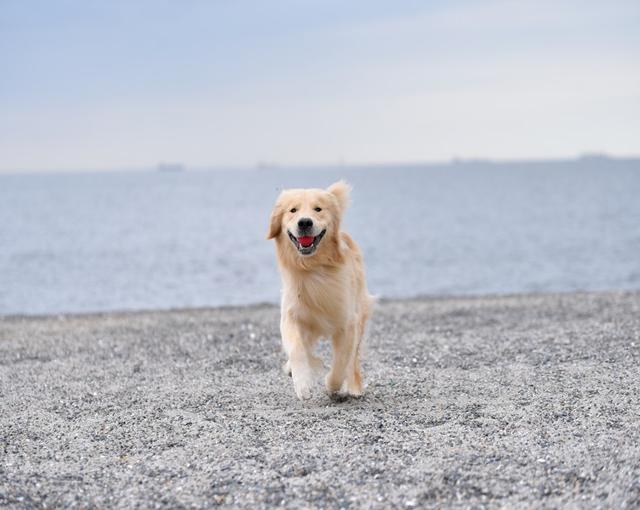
[318,209]
[293,210]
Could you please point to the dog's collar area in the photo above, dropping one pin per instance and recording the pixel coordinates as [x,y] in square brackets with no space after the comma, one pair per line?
[306,250]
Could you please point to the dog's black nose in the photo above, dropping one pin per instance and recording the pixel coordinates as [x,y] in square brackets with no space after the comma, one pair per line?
[305,223]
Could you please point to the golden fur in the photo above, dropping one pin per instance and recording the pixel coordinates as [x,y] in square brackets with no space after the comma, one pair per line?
[324,294]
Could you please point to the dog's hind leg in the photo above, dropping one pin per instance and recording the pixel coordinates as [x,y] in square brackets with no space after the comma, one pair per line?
[343,343]
[354,374]
[354,378]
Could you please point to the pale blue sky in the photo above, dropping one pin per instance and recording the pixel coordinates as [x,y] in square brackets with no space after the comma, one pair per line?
[90,84]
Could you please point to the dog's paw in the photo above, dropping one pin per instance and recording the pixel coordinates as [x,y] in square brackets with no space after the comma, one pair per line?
[345,391]
[332,384]
[286,368]
[354,389]
[303,391]
[302,381]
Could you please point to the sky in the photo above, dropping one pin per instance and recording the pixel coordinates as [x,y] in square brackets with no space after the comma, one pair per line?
[88,84]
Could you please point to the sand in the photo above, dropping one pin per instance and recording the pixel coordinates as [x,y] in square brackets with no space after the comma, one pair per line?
[529,400]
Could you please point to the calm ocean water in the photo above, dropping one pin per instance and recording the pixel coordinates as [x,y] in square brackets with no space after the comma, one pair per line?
[135,240]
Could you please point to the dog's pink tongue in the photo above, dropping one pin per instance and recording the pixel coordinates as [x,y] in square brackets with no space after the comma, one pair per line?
[306,241]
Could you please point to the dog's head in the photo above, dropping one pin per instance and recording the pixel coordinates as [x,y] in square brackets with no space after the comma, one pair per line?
[307,221]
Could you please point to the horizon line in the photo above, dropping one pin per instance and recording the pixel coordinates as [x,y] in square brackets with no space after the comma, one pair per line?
[268,165]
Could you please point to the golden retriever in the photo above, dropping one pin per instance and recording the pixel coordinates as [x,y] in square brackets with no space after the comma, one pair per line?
[324,292]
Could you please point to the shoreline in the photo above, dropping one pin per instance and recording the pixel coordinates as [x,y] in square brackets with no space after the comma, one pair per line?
[518,401]
[269,304]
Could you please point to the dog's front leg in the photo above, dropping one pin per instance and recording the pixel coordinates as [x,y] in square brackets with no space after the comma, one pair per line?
[298,347]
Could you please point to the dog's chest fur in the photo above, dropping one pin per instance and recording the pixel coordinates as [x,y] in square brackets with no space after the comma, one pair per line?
[315,300]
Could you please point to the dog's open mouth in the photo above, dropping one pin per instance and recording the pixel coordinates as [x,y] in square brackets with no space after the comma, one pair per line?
[306,245]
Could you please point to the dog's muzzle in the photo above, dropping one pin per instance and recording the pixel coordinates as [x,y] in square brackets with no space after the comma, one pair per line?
[306,244]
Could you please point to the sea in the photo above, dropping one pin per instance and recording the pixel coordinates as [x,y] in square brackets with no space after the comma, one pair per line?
[133,240]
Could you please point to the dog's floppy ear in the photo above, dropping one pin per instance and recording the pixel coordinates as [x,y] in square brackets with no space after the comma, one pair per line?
[341,191]
[275,222]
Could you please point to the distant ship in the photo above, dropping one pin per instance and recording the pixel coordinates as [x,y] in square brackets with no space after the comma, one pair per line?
[170,167]
[265,165]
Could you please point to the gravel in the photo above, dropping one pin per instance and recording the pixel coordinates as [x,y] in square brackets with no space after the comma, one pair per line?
[527,401]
